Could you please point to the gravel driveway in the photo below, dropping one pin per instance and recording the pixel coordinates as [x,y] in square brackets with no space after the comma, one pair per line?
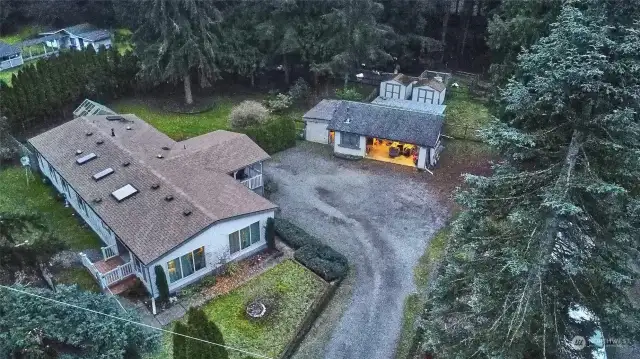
[381,216]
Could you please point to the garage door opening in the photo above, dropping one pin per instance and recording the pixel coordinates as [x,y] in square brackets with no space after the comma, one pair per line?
[392,151]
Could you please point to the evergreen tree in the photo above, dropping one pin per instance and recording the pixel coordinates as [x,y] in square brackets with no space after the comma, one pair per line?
[29,325]
[270,235]
[180,342]
[161,284]
[200,327]
[178,38]
[355,36]
[558,223]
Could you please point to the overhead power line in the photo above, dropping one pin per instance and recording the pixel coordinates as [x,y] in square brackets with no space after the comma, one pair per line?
[255,355]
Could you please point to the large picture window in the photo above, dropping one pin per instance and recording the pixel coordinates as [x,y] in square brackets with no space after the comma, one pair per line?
[350,140]
[391,91]
[186,265]
[244,238]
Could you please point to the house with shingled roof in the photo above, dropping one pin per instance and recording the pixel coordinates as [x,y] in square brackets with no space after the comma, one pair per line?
[186,206]
[77,37]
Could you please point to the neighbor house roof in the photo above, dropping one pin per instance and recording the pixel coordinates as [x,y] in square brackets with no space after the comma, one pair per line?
[85,30]
[389,123]
[7,49]
[322,111]
[39,40]
[409,105]
[192,172]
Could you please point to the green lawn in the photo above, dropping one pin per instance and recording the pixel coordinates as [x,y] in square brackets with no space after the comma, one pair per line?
[6,75]
[24,33]
[79,276]
[289,287]
[37,198]
[464,114]
[180,126]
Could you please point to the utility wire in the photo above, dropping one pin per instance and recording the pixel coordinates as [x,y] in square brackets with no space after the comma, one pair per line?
[133,322]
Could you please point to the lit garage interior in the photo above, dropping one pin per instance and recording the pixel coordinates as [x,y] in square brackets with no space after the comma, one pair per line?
[392,151]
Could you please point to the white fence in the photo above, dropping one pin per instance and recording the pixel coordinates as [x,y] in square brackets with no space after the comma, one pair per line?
[253,182]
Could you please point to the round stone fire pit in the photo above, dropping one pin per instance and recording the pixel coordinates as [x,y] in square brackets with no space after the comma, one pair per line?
[256,310]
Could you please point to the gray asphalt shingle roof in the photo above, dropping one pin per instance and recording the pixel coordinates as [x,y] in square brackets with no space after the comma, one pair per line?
[95,35]
[39,40]
[385,122]
[410,105]
[146,223]
[322,111]
[7,49]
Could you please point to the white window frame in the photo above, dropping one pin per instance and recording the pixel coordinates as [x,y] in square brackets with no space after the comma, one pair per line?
[422,95]
[239,238]
[392,91]
[179,261]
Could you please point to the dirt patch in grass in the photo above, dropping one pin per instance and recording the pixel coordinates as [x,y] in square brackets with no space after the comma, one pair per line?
[16,196]
[288,288]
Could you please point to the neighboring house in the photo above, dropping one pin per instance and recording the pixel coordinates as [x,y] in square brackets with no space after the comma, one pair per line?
[10,56]
[186,206]
[78,37]
[430,91]
[410,105]
[317,119]
[383,133]
[398,87]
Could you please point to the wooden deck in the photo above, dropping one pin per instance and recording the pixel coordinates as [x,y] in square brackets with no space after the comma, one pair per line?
[108,265]
[112,263]
[123,285]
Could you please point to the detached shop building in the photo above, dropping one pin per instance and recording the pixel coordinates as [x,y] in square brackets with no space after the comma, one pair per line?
[383,133]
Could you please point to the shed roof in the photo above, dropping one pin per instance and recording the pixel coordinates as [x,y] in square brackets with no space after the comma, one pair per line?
[322,111]
[404,79]
[410,105]
[195,176]
[8,49]
[431,82]
[390,123]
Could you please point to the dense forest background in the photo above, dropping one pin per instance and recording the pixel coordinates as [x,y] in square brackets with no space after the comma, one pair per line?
[442,34]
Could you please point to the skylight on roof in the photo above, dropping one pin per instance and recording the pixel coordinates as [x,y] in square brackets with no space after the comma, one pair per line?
[84,159]
[102,174]
[124,192]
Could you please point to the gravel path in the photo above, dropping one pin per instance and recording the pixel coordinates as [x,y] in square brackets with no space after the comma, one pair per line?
[381,217]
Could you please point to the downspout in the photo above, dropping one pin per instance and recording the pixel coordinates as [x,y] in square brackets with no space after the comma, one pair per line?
[153,295]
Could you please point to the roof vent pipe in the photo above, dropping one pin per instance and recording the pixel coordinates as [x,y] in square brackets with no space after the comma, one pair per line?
[113,134]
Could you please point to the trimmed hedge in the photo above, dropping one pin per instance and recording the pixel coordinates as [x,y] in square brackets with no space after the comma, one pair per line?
[293,235]
[323,260]
[310,252]
[275,135]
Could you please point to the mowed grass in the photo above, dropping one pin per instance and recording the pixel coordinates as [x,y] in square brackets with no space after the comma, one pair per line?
[289,288]
[37,198]
[24,33]
[464,114]
[7,74]
[180,126]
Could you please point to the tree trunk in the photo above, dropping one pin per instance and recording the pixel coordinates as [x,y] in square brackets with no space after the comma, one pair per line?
[285,66]
[346,80]
[466,30]
[445,28]
[253,80]
[188,97]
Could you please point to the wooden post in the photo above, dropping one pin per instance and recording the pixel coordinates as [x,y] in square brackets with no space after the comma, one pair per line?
[153,305]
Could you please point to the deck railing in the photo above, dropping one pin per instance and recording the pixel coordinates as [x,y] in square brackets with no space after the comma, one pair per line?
[109,251]
[253,182]
[118,274]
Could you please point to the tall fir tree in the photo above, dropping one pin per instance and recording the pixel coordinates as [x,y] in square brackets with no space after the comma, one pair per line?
[179,341]
[557,226]
[178,38]
[355,36]
[201,327]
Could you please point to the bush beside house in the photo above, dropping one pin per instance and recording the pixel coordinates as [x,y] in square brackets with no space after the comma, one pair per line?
[310,252]
[275,135]
[161,283]
[248,113]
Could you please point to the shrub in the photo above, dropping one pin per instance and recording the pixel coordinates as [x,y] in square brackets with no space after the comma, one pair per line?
[279,103]
[323,260]
[232,269]
[300,90]
[293,235]
[161,284]
[270,234]
[349,94]
[275,135]
[248,113]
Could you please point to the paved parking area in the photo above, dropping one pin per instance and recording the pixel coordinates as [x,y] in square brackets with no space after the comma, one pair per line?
[381,216]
